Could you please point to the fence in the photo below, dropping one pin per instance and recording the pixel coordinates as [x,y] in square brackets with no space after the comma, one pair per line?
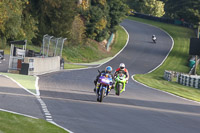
[52,46]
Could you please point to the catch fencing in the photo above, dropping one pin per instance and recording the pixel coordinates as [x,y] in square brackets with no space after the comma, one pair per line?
[52,46]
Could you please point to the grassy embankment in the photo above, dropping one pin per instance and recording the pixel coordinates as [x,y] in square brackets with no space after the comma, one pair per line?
[13,123]
[176,61]
[90,53]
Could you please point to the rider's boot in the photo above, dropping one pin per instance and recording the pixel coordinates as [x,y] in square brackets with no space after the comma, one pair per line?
[96,87]
[95,83]
[113,86]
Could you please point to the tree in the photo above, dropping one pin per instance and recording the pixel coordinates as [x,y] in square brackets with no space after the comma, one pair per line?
[13,21]
[10,19]
[78,30]
[95,19]
[28,24]
[189,10]
[152,7]
[117,12]
[102,17]
[55,17]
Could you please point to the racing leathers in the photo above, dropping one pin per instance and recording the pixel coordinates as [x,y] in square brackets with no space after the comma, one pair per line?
[124,71]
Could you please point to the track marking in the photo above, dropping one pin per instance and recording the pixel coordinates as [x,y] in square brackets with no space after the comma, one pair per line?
[18,84]
[45,110]
[18,113]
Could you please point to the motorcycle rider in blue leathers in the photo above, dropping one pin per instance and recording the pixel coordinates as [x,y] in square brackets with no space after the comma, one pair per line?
[107,70]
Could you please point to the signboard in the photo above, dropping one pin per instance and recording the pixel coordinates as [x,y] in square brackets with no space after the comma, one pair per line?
[31,64]
[194,46]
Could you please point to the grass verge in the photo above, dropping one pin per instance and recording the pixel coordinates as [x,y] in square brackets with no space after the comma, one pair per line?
[73,66]
[26,81]
[13,123]
[176,61]
[91,52]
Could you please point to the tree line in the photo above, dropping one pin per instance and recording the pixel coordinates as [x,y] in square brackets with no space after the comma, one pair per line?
[73,19]
[78,20]
[186,10]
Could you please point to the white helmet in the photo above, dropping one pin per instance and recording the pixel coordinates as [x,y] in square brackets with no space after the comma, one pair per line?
[122,66]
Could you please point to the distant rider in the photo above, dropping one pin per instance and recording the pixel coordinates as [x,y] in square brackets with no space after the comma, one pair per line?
[154,38]
[123,70]
[107,70]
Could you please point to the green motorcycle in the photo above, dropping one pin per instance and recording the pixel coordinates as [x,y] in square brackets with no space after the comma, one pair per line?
[120,83]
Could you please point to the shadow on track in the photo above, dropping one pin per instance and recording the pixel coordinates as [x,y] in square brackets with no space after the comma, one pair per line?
[119,101]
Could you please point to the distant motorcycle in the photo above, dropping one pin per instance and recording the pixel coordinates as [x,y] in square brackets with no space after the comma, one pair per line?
[120,83]
[104,84]
[154,39]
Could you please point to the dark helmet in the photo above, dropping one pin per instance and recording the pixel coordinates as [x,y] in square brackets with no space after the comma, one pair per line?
[108,69]
[122,66]
[153,35]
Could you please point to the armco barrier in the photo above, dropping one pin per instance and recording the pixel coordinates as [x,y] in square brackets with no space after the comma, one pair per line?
[183,79]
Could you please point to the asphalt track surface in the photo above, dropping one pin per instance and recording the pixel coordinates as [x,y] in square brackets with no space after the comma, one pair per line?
[16,99]
[72,103]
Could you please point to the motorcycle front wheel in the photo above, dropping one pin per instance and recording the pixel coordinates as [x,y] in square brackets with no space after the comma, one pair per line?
[101,95]
[119,88]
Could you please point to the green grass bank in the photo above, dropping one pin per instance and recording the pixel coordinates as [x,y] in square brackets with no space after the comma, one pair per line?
[13,123]
[176,61]
[93,52]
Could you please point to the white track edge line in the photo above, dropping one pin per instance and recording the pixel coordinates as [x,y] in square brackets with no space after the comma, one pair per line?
[18,113]
[164,91]
[37,97]
[18,84]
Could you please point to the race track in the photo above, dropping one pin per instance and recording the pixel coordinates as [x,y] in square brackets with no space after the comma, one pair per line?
[72,103]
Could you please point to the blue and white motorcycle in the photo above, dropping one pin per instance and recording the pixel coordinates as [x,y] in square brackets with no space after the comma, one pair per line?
[103,86]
